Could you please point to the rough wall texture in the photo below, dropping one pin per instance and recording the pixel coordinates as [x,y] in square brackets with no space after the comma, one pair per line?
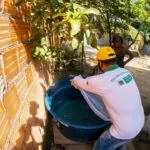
[22,115]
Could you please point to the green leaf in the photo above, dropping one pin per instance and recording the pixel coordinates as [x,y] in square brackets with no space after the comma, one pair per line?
[94,43]
[85,18]
[88,32]
[36,52]
[93,11]
[58,15]
[35,20]
[42,52]
[60,1]
[54,2]
[75,43]
[89,40]
[75,26]
[48,54]
[43,41]
[76,6]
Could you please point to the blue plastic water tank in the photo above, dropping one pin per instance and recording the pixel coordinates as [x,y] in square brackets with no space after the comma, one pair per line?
[75,119]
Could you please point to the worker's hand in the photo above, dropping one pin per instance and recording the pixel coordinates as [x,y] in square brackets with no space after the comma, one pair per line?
[74,81]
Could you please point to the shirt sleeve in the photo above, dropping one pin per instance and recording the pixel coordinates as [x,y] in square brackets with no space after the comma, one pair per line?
[90,84]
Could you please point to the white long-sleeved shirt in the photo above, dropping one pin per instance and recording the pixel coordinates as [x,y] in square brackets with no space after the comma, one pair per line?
[121,98]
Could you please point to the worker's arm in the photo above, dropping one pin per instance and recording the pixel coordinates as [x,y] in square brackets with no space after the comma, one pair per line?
[88,84]
[129,55]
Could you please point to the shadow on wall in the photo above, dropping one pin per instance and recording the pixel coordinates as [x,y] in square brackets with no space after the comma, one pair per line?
[30,137]
[44,72]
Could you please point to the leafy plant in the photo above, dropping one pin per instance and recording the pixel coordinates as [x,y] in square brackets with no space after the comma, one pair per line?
[74,20]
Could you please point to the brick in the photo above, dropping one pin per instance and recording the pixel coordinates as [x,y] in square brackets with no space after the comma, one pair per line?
[17,137]
[11,101]
[25,35]
[4,133]
[15,40]
[1,71]
[23,62]
[15,34]
[21,86]
[13,29]
[19,33]
[4,36]
[19,28]
[1,107]
[25,114]
[24,9]
[15,22]
[4,126]
[15,37]
[29,76]
[9,7]
[10,53]
[5,43]
[33,68]
[10,2]
[10,61]
[10,10]
[34,97]
[11,64]
[28,46]
[12,74]
[4,29]
[24,56]
[1,65]
[4,20]
[4,26]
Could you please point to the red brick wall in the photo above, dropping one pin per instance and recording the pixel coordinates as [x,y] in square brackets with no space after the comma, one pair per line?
[22,100]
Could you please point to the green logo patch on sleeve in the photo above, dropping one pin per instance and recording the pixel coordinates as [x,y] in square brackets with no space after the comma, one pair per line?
[127,78]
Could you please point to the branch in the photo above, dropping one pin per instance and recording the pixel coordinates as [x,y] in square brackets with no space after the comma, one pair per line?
[133,40]
[138,32]
[109,28]
[115,27]
[107,20]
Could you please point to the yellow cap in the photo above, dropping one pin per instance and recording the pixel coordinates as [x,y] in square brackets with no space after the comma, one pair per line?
[105,53]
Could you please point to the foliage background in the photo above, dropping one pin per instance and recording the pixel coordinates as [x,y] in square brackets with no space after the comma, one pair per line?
[69,22]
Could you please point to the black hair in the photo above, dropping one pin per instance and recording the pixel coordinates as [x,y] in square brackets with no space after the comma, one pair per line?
[117,37]
[109,61]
